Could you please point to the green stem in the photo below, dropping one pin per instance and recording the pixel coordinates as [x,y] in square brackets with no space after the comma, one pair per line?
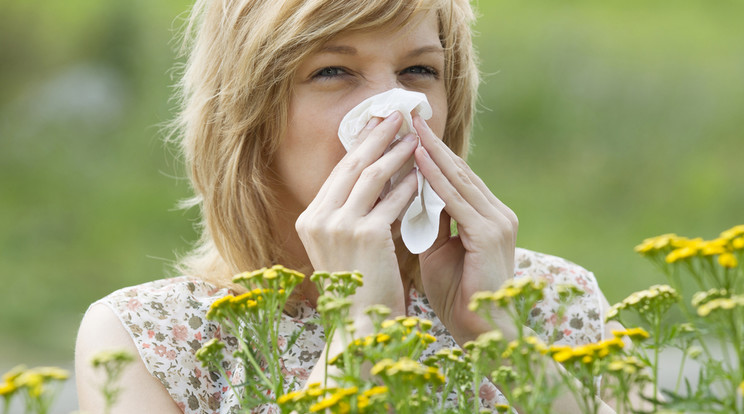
[681,370]
[657,345]
[476,390]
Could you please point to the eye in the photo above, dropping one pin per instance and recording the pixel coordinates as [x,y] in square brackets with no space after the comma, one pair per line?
[420,70]
[329,73]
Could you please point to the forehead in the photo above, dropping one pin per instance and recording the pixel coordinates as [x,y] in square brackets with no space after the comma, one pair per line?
[421,29]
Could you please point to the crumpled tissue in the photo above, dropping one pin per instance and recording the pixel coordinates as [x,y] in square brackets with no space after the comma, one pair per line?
[420,223]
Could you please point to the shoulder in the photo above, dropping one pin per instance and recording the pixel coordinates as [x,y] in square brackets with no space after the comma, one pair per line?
[556,270]
[164,323]
[101,330]
[578,320]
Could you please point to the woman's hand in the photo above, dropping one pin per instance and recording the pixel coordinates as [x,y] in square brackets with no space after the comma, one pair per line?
[347,227]
[481,256]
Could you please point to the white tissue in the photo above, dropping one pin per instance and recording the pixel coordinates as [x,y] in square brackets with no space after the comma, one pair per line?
[420,223]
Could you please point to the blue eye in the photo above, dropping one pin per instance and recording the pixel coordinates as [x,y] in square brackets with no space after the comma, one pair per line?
[421,70]
[329,72]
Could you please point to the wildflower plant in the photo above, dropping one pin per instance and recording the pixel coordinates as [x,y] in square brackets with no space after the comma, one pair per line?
[253,317]
[112,363]
[38,387]
[385,371]
[714,317]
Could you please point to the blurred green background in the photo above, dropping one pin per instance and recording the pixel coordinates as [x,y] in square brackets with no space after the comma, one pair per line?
[601,123]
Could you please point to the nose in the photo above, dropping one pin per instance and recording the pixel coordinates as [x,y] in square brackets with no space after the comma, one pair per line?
[381,84]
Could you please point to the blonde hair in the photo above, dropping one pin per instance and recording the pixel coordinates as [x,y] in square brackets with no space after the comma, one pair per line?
[242,56]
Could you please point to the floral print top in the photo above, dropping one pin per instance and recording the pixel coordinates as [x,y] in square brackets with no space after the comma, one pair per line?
[166,320]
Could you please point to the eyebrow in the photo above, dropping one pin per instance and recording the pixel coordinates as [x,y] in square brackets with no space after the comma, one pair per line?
[349,50]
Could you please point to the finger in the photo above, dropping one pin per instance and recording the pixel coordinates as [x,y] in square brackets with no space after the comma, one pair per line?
[451,164]
[372,180]
[454,203]
[392,205]
[460,175]
[378,136]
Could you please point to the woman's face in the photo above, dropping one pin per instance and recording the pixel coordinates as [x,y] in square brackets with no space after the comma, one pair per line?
[348,69]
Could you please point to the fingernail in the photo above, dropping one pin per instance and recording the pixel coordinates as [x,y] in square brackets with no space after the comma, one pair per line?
[410,138]
[373,122]
[393,117]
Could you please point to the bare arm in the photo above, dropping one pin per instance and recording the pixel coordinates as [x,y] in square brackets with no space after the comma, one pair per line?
[141,392]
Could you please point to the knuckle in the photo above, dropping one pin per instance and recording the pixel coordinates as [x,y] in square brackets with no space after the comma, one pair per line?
[462,176]
[335,227]
[349,164]
[453,194]
[372,173]
[368,231]
[461,164]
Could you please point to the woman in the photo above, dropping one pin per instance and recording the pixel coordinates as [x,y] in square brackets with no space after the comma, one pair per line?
[264,91]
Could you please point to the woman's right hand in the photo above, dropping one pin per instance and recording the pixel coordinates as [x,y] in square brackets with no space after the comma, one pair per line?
[348,228]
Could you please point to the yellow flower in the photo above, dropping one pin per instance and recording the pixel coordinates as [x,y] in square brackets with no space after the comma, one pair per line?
[502,408]
[32,381]
[733,232]
[378,390]
[14,373]
[738,243]
[701,298]
[220,307]
[682,253]
[720,303]
[315,389]
[55,373]
[741,388]
[293,396]
[324,403]
[7,388]
[714,247]
[378,310]
[632,333]
[656,296]
[408,370]
[563,355]
[655,243]
[334,399]
[409,322]
[587,353]
[509,291]
[727,260]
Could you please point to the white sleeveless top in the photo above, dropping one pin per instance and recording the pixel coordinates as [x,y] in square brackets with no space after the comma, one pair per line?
[166,320]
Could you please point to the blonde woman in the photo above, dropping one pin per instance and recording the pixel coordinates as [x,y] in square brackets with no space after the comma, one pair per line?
[263,93]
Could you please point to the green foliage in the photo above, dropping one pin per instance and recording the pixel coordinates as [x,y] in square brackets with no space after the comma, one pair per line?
[600,123]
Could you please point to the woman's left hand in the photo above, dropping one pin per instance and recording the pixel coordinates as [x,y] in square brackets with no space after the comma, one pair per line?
[481,256]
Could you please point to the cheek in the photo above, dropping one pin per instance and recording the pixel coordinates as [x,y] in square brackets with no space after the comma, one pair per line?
[439,119]
[308,153]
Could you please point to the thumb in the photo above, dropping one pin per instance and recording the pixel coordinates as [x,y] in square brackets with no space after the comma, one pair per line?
[443,236]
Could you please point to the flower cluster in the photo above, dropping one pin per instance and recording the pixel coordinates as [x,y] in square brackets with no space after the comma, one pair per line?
[316,398]
[716,315]
[253,317]
[526,289]
[679,249]
[37,385]
[720,304]
[276,277]
[658,298]
[586,354]
[112,363]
